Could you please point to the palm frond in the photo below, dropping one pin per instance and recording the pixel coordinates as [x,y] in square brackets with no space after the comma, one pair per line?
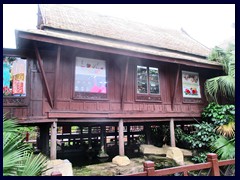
[224,148]
[33,165]
[227,130]
[225,85]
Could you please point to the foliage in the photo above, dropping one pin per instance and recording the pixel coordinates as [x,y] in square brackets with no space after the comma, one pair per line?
[224,147]
[201,157]
[216,133]
[160,135]
[223,85]
[18,158]
[219,114]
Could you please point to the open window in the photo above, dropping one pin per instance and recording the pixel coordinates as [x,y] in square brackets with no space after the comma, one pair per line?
[90,79]
[147,84]
[14,81]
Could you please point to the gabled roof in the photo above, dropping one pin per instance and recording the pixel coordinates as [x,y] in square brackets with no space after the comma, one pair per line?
[70,19]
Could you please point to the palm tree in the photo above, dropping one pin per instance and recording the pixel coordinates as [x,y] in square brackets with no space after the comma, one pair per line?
[222,85]
[18,159]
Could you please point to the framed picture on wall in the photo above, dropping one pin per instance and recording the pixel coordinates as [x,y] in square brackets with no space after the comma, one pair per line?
[190,85]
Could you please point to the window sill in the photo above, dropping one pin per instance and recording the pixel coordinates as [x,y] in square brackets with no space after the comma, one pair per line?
[148,98]
[192,100]
[90,96]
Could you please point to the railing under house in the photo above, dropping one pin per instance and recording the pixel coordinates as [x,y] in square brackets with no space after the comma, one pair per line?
[212,167]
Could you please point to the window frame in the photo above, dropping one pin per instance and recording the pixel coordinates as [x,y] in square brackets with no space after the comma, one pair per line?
[148,97]
[16,101]
[90,95]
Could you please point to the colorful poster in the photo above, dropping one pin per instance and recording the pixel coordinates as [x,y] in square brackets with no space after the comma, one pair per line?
[6,74]
[90,75]
[19,77]
[190,84]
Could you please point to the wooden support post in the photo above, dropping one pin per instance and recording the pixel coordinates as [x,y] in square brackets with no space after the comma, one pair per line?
[149,167]
[40,62]
[175,87]
[212,157]
[89,137]
[53,154]
[44,139]
[103,138]
[121,137]
[147,133]
[116,131]
[128,135]
[172,133]
[81,137]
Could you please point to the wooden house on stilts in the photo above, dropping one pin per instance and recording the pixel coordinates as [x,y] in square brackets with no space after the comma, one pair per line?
[106,75]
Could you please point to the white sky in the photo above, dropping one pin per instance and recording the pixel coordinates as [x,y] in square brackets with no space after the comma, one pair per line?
[210,24]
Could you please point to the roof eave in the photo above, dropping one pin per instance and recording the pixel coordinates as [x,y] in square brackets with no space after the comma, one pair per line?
[83,45]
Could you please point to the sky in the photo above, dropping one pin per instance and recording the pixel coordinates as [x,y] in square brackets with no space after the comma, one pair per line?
[210,24]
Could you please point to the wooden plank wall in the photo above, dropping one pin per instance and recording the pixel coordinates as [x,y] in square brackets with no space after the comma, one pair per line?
[39,105]
[116,63]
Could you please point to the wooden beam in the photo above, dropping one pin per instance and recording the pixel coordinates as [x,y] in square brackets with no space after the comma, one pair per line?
[53,149]
[93,47]
[49,97]
[44,139]
[175,87]
[133,115]
[124,84]
[56,75]
[172,133]
[121,137]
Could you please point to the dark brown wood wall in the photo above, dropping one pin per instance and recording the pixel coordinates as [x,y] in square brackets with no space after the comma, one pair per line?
[39,105]
[116,71]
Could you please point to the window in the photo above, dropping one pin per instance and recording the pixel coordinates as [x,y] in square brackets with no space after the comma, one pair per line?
[190,85]
[14,76]
[90,78]
[148,83]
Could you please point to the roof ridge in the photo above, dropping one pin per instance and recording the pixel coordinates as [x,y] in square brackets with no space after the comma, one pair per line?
[185,32]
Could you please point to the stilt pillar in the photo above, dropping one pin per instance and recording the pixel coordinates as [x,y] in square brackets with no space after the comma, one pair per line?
[147,134]
[128,135]
[121,137]
[116,132]
[89,137]
[44,139]
[53,150]
[172,133]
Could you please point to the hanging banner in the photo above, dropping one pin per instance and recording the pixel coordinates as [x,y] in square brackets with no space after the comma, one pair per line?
[19,77]
[190,85]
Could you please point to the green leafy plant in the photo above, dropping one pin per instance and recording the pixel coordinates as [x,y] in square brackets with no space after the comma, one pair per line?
[18,158]
[216,133]
[222,85]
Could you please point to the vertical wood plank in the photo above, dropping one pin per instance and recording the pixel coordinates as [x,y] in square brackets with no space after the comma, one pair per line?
[53,149]
[56,76]
[124,84]
[121,137]
[43,75]
[172,133]
[175,87]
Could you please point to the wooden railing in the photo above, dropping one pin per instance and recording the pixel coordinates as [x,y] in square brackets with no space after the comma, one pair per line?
[212,167]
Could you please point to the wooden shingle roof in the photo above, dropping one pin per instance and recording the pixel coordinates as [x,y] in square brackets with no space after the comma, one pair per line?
[65,19]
